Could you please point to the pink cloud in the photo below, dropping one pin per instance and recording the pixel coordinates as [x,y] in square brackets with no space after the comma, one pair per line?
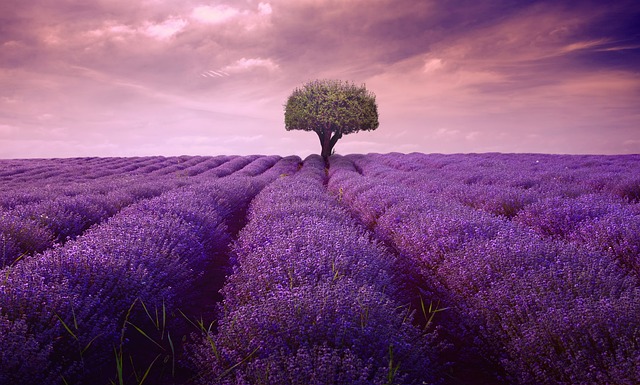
[245,64]
[166,29]
[215,14]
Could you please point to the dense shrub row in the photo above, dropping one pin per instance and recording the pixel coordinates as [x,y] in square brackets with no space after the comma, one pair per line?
[62,214]
[478,178]
[586,200]
[15,175]
[543,309]
[21,172]
[313,299]
[34,219]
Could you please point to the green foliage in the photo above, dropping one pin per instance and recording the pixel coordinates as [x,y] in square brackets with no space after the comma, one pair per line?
[341,106]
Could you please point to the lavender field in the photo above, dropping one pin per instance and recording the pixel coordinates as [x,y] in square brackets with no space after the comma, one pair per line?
[376,269]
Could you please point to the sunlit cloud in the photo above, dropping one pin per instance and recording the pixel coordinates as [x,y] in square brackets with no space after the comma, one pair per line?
[240,66]
[432,65]
[214,74]
[214,14]
[245,64]
[166,29]
[160,31]
[583,45]
[619,48]
[264,9]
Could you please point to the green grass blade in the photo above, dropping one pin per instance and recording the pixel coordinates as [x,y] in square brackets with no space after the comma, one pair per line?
[173,355]
[238,364]
[164,319]
[146,335]
[90,342]
[146,373]
[119,366]
[67,327]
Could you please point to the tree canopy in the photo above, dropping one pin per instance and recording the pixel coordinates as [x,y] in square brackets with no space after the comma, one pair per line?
[331,108]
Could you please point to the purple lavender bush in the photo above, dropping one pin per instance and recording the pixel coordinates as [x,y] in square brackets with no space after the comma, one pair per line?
[548,312]
[63,214]
[558,216]
[616,234]
[343,317]
[20,237]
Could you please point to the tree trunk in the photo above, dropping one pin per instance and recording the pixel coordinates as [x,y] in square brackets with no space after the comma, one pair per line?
[327,142]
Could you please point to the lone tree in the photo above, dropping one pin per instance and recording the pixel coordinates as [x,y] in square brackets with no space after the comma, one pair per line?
[331,108]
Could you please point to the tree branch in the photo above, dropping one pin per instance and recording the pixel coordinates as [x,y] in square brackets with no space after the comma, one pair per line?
[334,139]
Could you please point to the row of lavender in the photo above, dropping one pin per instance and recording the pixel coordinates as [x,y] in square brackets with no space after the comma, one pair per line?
[37,214]
[32,227]
[591,201]
[502,184]
[16,172]
[45,173]
[313,299]
[63,312]
[547,288]
[548,174]
[13,173]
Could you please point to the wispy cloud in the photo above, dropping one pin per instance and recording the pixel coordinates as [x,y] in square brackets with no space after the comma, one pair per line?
[214,74]
[245,64]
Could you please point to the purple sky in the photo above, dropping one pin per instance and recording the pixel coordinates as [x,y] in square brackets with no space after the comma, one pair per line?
[198,77]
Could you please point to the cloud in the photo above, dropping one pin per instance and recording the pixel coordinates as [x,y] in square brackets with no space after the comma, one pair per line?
[432,64]
[583,45]
[214,14]
[245,64]
[110,28]
[264,9]
[447,133]
[7,130]
[163,30]
[222,14]
[214,74]
[166,29]
[241,66]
